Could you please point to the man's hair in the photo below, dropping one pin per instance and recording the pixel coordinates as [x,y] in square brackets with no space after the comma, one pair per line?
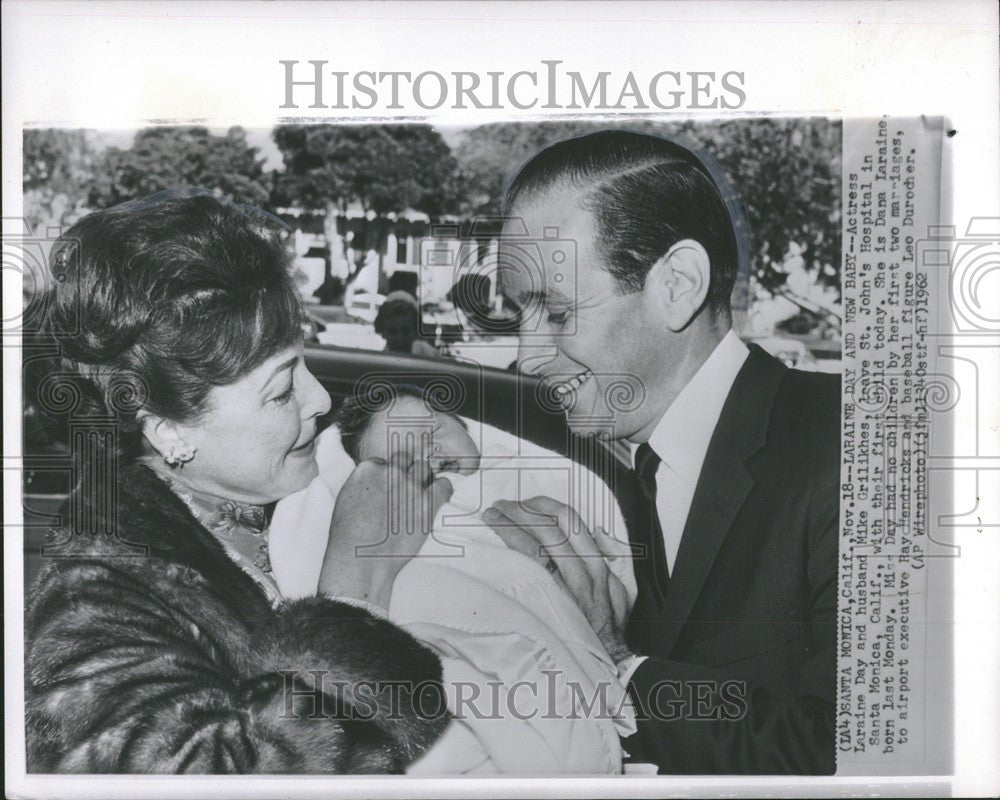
[162,299]
[356,412]
[391,309]
[646,194]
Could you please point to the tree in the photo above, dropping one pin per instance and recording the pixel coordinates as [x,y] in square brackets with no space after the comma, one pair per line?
[787,172]
[58,172]
[173,157]
[380,169]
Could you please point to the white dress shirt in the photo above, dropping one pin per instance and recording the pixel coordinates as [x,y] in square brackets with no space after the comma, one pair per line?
[682,435]
[681,440]
[495,618]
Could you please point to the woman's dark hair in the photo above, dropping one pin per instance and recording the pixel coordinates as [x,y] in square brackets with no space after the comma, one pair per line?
[156,302]
[646,194]
[357,411]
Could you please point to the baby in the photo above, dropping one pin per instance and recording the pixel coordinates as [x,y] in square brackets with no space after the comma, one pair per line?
[522,662]
[374,426]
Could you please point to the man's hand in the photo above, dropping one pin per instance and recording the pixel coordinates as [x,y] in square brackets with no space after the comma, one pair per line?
[551,531]
[381,519]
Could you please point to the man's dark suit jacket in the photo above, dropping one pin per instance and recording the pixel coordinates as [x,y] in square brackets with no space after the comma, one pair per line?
[753,594]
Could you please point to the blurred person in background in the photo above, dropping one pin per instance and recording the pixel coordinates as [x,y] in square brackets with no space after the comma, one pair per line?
[398,322]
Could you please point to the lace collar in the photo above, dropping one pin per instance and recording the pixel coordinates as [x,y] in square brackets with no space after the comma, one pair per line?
[241,528]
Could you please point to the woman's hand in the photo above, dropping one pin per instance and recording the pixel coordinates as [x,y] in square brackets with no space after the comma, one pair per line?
[552,532]
[381,519]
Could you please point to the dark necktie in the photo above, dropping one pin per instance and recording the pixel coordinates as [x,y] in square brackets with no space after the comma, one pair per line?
[653,564]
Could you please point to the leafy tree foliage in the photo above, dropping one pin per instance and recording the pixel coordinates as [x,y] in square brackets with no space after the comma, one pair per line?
[381,169]
[173,157]
[57,176]
[788,174]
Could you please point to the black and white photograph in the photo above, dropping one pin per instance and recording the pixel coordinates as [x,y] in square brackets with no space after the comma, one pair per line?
[468,426]
[613,449]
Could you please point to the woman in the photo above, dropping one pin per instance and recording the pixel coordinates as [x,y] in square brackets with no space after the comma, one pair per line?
[163,645]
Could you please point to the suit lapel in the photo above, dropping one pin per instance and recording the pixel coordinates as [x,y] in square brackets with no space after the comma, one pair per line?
[722,488]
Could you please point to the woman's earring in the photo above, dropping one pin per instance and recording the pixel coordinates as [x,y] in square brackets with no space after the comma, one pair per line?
[179,455]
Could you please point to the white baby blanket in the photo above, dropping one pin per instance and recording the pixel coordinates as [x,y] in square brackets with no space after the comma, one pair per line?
[531,686]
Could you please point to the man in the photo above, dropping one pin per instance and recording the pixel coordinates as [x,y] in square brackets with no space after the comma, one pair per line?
[729,654]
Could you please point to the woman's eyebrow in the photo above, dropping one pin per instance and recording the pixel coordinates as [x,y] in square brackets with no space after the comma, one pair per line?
[291,362]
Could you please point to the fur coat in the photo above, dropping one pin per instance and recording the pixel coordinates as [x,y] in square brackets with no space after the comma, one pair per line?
[151,651]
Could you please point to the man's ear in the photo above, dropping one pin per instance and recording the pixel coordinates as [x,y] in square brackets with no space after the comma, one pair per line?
[679,281]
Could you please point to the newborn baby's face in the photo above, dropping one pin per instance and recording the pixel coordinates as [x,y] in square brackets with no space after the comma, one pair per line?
[432,435]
